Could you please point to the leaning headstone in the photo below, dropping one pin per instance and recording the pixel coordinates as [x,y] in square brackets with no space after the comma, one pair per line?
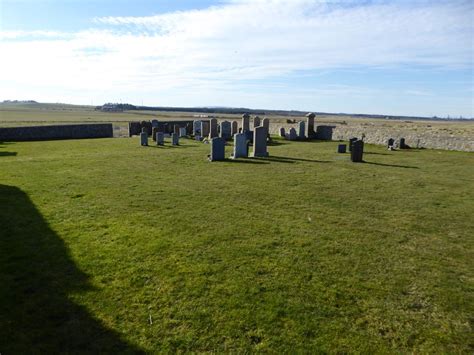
[291,135]
[154,130]
[310,132]
[144,137]
[260,142]
[351,141]
[256,121]
[174,139]
[235,128]
[204,128]
[213,128]
[241,148]
[160,138]
[217,149]
[182,132]
[357,151]
[245,122]
[282,132]
[301,130]
[341,148]
[226,130]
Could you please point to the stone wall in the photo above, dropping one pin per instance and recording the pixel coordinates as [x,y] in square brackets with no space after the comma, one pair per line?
[77,131]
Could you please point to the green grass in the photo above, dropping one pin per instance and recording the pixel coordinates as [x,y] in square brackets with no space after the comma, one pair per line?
[108,246]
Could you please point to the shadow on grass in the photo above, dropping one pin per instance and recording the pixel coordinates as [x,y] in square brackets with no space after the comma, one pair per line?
[7,154]
[392,165]
[37,275]
[374,153]
[245,161]
[280,159]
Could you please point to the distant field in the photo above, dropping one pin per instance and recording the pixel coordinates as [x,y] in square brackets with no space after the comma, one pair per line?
[109,247]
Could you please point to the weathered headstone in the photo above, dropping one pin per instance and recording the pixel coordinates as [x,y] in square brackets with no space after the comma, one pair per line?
[402,143]
[266,124]
[256,121]
[341,148]
[357,151]
[154,130]
[310,132]
[291,135]
[154,123]
[144,137]
[390,142]
[182,132]
[260,142]
[204,128]
[213,128]
[282,132]
[241,148]
[217,149]
[301,130]
[174,139]
[235,128]
[196,128]
[160,138]
[226,130]
[351,141]
[245,122]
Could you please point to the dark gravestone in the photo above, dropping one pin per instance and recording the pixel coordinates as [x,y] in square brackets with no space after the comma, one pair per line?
[217,149]
[351,141]
[147,126]
[245,122]
[341,148]
[226,130]
[160,138]
[310,133]
[390,143]
[213,128]
[134,128]
[204,128]
[144,138]
[174,139]
[402,144]
[154,131]
[282,132]
[235,128]
[256,121]
[260,142]
[357,151]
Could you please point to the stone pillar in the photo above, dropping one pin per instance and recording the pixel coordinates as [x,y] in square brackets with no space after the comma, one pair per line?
[260,142]
[310,132]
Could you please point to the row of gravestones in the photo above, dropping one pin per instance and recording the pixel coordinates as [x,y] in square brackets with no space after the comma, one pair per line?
[159,138]
[356,148]
[401,144]
[305,130]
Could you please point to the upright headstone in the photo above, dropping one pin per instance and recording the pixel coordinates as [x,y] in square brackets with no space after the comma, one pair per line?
[260,142]
[301,130]
[226,130]
[351,141]
[144,137]
[266,124]
[217,149]
[357,151]
[204,128]
[310,132]
[160,138]
[402,143]
[154,130]
[154,123]
[182,132]
[390,142]
[291,135]
[213,129]
[282,132]
[176,129]
[341,148]
[241,148]
[235,128]
[174,139]
[256,121]
[196,128]
[245,122]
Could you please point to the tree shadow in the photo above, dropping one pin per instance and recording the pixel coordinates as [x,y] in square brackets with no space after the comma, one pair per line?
[37,275]
[392,165]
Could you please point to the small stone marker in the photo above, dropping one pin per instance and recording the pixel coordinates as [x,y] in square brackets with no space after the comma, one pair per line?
[217,149]
[245,122]
[213,129]
[144,138]
[291,135]
[357,151]
[282,132]
[204,128]
[310,133]
[241,148]
[182,132]
[301,130]
[235,128]
[351,140]
[260,142]
[226,130]
[341,148]
[256,121]
[160,138]
[174,139]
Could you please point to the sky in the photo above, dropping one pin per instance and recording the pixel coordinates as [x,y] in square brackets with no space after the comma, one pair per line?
[373,57]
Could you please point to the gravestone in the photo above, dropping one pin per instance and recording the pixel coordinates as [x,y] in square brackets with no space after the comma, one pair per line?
[226,130]
[282,132]
[235,128]
[266,124]
[256,121]
[144,137]
[260,142]
[160,138]
[341,148]
[310,133]
[241,148]
[154,123]
[204,128]
[245,122]
[213,128]
[174,139]
[147,126]
[301,130]
[291,135]
[402,143]
[351,141]
[217,149]
[357,151]
[182,132]
[196,128]
[390,142]
[154,130]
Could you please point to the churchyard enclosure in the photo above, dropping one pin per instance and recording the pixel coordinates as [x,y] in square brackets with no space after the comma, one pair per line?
[105,244]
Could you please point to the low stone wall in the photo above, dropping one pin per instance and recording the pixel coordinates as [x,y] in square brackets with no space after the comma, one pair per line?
[77,131]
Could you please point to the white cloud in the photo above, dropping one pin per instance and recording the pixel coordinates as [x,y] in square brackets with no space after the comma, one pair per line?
[234,43]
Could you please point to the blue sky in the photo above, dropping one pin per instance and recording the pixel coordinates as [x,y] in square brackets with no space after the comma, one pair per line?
[387,57]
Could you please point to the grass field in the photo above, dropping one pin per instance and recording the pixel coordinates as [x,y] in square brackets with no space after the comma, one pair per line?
[108,246]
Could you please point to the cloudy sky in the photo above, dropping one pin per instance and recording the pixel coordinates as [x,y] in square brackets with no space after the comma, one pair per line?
[387,57]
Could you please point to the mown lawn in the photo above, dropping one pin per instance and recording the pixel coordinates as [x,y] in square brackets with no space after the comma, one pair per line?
[108,246]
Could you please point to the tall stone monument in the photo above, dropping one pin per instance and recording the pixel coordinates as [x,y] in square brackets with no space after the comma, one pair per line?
[310,132]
